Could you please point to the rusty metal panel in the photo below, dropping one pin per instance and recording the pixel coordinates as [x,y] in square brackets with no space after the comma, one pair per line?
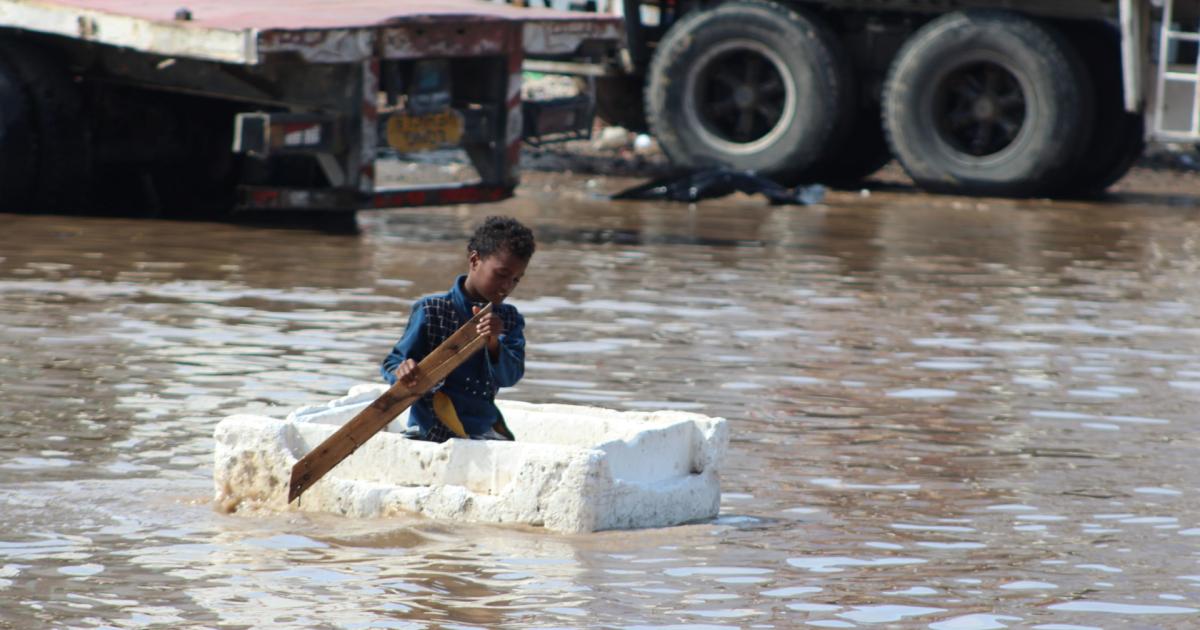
[557,37]
[337,45]
[463,39]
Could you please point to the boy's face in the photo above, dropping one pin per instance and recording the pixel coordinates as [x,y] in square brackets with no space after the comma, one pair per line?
[494,277]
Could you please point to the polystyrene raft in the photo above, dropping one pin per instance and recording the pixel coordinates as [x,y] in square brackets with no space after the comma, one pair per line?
[572,468]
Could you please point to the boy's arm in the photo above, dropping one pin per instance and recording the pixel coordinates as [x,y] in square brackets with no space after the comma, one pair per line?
[412,345]
[508,366]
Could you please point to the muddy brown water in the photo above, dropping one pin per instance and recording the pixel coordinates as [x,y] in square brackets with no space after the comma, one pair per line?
[946,413]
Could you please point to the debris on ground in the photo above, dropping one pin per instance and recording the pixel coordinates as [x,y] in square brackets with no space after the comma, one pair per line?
[717,182]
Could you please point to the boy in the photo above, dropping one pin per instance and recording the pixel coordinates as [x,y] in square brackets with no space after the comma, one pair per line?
[497,256]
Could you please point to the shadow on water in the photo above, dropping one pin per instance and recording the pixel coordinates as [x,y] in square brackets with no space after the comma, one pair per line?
[326,221]
[1149,199]
[329,222]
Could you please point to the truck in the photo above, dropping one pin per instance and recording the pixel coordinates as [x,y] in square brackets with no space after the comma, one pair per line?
[983,97]
[223,106]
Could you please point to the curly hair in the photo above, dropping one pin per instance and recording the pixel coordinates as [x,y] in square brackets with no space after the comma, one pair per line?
[502,233]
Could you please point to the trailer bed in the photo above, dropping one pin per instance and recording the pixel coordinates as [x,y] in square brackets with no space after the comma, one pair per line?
[246,31]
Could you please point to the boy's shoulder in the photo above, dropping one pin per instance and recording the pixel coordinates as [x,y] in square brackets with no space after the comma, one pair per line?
[445,299]
[437,307]
[435,300]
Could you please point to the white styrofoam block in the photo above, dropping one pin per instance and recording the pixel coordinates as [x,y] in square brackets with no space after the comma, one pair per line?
[572,469]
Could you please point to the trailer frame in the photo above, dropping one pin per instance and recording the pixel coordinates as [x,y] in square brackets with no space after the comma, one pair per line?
[329,83]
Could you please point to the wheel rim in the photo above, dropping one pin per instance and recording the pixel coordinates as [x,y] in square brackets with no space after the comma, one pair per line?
[980,109]
[741,97]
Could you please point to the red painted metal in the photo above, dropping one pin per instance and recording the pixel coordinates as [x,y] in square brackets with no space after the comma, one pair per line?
[264,198]
[478,193]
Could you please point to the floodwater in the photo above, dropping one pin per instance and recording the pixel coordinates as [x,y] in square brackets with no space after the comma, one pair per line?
[946,413]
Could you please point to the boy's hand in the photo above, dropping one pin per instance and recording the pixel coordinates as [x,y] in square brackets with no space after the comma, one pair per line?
[492,327]
[408,373]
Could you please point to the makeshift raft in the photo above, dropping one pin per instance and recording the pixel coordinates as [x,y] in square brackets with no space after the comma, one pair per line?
[572,469]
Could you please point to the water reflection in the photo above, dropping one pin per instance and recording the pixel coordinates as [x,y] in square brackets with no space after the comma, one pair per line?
[945,416]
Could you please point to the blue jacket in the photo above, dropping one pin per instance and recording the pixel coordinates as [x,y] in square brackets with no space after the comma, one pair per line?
[472,386]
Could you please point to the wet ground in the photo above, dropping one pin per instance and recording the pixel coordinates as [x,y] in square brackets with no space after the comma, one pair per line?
[947,413]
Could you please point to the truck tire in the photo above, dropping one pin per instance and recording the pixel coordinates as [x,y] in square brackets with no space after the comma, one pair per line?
[621,101]
[1117,138]
[856,147]
[747,85]
[17,143]
[987,102]
[61,158]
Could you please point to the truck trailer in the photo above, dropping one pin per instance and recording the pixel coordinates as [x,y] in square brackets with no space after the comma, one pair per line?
[1014,98]
[218,106]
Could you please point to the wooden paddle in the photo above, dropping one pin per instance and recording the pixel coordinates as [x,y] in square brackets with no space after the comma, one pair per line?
[435,367]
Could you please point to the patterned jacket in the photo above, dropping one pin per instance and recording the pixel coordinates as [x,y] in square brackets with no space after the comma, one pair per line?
[472,386]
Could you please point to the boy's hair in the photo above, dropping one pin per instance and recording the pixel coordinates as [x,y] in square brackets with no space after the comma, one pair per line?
[502,233]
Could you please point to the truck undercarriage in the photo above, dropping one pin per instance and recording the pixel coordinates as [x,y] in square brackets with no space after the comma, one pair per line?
[975,97]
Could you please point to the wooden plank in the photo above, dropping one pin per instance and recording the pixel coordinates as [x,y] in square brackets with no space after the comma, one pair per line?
[436,366]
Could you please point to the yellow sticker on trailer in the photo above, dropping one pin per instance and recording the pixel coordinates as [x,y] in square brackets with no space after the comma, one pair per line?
[409,133]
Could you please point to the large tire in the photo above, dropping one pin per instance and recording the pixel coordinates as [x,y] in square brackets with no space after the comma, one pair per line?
[989,103]
[856,147]
[747,85]
[1118,137]
[621,101]
[60,158]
